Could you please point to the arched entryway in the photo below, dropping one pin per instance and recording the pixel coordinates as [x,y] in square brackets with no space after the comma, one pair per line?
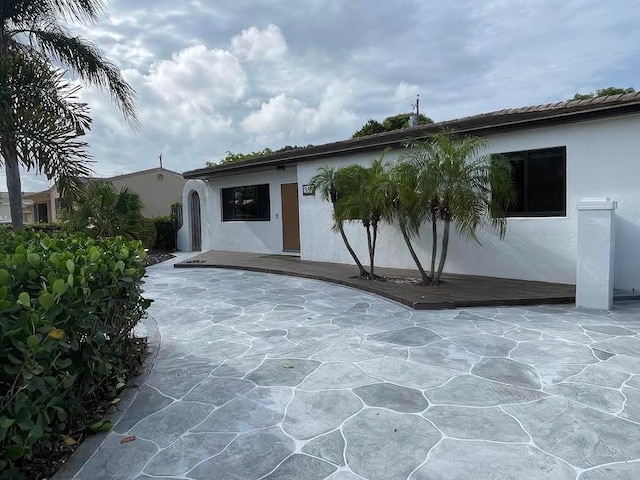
[195,222]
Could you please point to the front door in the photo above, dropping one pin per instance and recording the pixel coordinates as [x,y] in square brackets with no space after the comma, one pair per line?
[196,226]
[290,218]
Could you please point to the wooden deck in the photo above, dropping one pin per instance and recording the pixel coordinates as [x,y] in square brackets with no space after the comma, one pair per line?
[456,291]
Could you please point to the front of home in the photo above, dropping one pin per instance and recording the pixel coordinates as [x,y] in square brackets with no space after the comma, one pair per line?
[561,154]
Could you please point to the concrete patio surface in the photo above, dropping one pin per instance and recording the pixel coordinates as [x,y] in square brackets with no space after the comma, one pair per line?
[263,376]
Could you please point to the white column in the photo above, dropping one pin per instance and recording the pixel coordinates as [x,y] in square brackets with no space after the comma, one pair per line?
[596,234]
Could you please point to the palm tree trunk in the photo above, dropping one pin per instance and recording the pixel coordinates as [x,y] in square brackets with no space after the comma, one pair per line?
[425,278]
[434,244]
[362,272]
[14,185]
[443,253]
[370,248]
[372,254]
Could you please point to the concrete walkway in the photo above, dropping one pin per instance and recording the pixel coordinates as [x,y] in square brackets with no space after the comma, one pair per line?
[269,377]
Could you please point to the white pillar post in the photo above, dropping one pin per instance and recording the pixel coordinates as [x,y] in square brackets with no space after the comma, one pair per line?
[596,234]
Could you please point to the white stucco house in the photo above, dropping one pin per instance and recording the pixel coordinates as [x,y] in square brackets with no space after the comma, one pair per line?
[561,153]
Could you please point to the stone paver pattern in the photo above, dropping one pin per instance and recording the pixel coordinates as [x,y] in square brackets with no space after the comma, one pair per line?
[269,377]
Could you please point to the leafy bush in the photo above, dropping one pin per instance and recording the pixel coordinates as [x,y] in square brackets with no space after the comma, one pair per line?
[165,233]
[68,305]
[104,211]
[44,227]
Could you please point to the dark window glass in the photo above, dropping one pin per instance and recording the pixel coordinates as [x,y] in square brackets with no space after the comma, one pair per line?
[540,182]
[246,203]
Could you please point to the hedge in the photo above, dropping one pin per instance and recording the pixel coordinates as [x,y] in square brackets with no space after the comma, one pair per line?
[165,233]
[68,306]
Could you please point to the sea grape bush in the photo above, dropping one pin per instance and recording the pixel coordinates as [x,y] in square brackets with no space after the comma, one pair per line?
[68,306]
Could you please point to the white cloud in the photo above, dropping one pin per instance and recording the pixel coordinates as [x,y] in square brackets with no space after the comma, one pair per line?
[289,118]
[254,44]
[198,76]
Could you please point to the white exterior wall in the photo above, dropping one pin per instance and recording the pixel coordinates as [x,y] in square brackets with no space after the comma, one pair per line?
[240,236]
[602,161]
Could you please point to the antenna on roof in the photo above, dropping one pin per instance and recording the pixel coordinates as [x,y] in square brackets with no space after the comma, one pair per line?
[414,119]
[160,158]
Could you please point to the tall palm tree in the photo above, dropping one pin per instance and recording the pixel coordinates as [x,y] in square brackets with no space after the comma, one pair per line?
[327,182]
[364,201]
[467,187]
[36,30]
[40,127]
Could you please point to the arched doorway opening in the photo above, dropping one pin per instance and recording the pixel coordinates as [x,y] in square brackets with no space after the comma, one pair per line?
[196,225]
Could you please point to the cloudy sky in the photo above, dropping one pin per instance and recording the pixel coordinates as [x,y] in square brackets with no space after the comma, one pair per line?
[217,76]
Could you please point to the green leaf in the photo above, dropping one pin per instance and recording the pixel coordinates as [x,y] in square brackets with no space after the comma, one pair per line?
[13,452]
[70,279]
[46,301]
[34,260]
[33,341]
[6,422]
[24,299]
[94,254]
[4,277]
[71,266]
[3,292]
[101,426]
[59,287]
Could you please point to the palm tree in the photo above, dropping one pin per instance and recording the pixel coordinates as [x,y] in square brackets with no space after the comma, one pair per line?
[363,201]
[35,30]
[40,126]
[405,207]
[103,211]
[465,185]
[326,181]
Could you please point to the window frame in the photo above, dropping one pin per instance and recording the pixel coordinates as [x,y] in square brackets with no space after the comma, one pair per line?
[235,218]
[537,214]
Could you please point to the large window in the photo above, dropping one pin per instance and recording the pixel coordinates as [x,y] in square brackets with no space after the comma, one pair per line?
[246,203]
[540,181]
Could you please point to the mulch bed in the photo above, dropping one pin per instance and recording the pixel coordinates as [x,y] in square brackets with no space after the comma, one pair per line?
[154,257]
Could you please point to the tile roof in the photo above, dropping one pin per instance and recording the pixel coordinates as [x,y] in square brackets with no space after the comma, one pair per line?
[486,123]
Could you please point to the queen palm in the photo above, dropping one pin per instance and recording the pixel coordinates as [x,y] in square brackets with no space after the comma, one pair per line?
[405,207]
[461,184]
[364,201]
[328,181]
[36,30]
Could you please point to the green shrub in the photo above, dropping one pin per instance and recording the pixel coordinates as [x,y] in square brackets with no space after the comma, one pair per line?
[68,305]
[165,233]
[104,211]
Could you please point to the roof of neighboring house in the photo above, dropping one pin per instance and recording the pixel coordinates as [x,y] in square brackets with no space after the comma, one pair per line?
[484,124]
[141,172]
[109,179]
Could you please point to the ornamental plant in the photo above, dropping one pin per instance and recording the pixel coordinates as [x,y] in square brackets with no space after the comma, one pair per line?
[68,306]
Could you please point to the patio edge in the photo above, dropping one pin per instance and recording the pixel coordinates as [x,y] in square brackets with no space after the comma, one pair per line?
[395,298]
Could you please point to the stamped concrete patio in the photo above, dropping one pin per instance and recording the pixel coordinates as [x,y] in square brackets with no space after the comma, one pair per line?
[269,377]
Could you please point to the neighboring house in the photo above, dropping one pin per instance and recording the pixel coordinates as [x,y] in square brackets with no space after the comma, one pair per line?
[562,152]
[158,189]
[5,210]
